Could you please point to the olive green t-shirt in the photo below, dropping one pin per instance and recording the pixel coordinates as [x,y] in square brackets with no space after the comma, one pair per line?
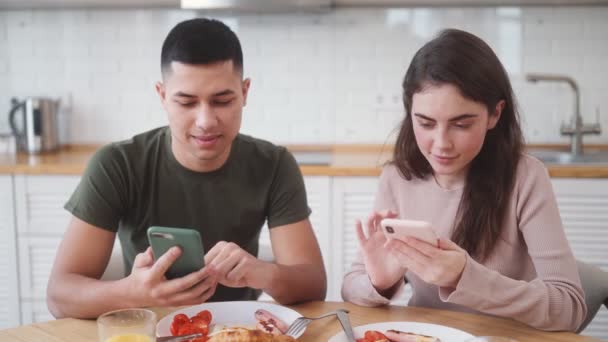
[131,185]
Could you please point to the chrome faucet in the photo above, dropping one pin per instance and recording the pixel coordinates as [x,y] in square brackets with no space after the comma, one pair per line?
[576,129]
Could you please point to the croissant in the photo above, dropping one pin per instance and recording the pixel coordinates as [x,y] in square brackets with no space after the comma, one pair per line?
[246,335]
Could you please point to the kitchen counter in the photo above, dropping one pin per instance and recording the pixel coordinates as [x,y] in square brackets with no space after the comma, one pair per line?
[316,160]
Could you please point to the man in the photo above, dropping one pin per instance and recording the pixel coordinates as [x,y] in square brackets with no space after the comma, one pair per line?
[197,173]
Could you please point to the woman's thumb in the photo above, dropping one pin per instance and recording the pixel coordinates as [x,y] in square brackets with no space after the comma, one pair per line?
[448,244]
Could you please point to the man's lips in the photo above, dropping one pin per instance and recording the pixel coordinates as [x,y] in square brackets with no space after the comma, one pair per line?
[206,140]
[206,137]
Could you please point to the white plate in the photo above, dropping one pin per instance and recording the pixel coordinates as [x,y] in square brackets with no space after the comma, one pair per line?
[445,334]
[230,313]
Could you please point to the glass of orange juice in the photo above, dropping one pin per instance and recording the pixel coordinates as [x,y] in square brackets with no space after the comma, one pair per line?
[127,325]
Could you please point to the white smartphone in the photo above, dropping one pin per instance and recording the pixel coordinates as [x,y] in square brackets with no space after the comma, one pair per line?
[400,229]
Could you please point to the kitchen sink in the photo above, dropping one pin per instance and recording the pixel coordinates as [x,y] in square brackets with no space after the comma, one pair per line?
[567,158]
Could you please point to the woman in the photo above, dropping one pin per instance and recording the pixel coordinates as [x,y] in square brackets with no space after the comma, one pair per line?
[459,164]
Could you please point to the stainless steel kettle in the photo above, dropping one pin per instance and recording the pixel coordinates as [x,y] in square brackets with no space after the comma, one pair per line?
[39,124]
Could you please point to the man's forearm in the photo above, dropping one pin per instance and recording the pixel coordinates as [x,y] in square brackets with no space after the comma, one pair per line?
[78,296]
[296,283]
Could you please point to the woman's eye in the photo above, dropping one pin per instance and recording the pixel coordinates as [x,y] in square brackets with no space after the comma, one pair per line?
[426,124]
[463,125]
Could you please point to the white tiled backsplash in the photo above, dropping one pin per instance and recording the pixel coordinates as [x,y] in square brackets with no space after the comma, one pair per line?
[316,78]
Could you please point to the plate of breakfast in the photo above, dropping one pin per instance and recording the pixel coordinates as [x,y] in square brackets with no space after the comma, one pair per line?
[225,321]
[404,332]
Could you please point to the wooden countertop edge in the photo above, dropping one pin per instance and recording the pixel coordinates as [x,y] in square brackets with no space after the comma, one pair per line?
[72,159]
[307,170]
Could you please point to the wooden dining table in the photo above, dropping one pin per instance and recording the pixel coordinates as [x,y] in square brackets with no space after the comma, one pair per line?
[74,330]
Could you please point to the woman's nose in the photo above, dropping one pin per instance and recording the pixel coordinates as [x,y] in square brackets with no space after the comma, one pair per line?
[442,140]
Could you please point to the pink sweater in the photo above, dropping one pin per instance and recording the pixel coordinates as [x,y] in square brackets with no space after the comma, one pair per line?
[531,276]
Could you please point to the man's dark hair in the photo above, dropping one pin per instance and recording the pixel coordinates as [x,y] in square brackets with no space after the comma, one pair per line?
[201,41]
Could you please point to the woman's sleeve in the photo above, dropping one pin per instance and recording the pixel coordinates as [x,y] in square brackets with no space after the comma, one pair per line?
[554,300]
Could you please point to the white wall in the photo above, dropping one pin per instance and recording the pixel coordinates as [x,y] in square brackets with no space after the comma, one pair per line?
[317,78]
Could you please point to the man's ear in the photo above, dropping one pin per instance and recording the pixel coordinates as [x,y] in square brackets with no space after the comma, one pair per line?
[160,90]
[246,85]
[495,116]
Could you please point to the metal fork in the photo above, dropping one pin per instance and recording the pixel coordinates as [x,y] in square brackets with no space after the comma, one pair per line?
[302,322]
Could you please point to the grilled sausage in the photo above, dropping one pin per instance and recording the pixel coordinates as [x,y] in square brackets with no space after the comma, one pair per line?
[400,336]
[269,320]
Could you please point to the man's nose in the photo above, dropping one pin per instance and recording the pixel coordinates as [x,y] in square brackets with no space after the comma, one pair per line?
[205,118]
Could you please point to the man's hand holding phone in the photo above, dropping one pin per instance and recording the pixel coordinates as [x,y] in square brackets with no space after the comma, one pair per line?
[148,285]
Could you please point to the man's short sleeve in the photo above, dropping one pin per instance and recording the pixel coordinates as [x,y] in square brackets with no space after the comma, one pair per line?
[287,202]
[101,196]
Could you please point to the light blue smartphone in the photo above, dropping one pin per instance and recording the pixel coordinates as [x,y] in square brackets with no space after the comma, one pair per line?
[192,259]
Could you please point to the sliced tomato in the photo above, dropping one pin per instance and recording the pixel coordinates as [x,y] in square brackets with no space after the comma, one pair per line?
[362,339]
[178,321]
[181,318]
[200,325]
[186,329]
[372,335]
[174,328]
[206,315]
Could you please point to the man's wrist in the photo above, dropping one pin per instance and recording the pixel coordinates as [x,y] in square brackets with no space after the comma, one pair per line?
[269,275]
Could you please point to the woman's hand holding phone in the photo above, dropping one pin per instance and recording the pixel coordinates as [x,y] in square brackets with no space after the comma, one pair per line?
[439,264]
[383,268]
[148,286]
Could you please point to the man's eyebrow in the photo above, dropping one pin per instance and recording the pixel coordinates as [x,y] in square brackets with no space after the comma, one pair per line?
[224,92]
[221,93]
[182,94]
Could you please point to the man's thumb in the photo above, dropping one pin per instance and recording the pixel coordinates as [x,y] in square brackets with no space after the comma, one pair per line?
[144,259]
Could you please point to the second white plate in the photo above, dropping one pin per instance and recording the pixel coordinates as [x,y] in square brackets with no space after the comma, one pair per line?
[445,334]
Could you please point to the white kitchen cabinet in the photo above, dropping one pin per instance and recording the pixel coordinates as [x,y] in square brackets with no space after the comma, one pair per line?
[353,198]
[41,222]
[583,206]
[9,301]
[318,192]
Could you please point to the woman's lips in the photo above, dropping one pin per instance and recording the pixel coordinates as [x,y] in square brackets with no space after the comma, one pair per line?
[444,159]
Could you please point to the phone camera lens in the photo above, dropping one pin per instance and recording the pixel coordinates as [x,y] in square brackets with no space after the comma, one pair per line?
[390,229]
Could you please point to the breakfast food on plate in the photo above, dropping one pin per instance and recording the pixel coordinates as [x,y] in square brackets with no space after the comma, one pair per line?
[269,328]
[395,336]
[400,336]
[199,323]
[269,323]
[246,335]
[372,336]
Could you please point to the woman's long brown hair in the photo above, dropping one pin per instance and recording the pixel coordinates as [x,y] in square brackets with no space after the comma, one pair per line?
[461,59]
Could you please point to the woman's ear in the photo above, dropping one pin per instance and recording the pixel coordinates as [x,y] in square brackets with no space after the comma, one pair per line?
[495,116]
